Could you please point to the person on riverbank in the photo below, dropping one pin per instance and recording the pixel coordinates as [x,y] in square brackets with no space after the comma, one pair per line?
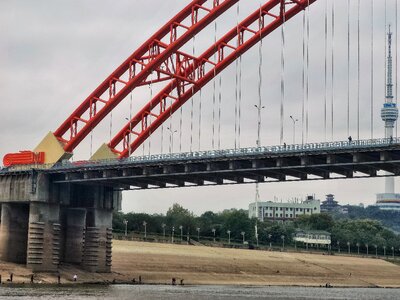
[75,277]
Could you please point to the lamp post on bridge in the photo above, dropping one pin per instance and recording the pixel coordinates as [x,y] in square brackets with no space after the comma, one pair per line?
[171,139]
[126,227]
[294,128]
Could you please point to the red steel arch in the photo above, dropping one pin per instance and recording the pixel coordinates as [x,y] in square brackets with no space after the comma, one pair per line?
[160,55]
[135,70]
[202,69]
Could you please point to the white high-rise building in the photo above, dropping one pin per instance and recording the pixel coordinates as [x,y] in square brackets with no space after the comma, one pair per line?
[389,113]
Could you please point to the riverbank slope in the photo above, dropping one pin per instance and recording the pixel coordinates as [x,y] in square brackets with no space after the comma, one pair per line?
[158,263]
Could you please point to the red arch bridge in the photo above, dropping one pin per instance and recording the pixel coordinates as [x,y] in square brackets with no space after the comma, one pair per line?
[55,210]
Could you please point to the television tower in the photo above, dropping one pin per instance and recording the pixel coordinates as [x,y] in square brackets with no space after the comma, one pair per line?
[389,114]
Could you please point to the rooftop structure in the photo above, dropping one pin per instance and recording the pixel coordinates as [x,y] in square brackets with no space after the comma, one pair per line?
[329,204]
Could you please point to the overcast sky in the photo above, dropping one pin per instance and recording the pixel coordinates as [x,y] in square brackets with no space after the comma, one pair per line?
[53,54]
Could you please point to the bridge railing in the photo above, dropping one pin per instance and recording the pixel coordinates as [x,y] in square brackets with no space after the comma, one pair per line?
[210,154]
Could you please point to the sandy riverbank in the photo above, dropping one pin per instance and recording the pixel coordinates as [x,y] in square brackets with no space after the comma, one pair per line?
[158,263]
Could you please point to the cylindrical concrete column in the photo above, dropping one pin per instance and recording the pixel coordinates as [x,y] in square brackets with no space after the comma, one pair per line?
[75,235]
[14,232]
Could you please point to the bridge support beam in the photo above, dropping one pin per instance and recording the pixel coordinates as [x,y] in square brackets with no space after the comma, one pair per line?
[14,232]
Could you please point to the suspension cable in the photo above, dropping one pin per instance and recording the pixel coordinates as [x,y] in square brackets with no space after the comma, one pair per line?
[307,66]
[130,120]
[358,70]
[200,110]
[333,70]
[240,100]
[303,79]
[326,71]
[237,78]
[348,67]
[396,58]
[192,103]
[372,69]
[282,74]
[214,89]
[151,108]
[260,107]
[219,111]
[111,124]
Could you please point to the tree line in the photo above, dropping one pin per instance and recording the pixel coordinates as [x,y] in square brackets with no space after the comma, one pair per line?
[354,231]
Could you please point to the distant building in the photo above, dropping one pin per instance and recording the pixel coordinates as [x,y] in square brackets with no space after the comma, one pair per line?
[284,211]
[330,204]
[313,237]
[389,200]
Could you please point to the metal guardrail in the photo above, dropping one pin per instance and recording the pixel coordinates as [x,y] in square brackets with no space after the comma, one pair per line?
[212,154]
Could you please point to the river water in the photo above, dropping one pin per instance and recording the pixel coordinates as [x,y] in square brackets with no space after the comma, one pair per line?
[139,292]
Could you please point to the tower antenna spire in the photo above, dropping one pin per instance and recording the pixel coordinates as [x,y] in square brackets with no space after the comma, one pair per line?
[389,78]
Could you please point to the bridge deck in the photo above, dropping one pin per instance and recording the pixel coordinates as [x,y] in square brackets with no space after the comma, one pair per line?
[315,161]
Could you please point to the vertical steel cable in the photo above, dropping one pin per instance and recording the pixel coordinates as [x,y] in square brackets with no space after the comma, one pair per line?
[91,142]
[219,111]
[372,69]
[192,103]
[282,73]
[333,70]
[237,77]
[180,129]
[307,66]
[200,110]
[358,70]
[214,87]
[326,71]
[396,58]
[151,108]
[111,124]
[303,79]
[170,129]
[130,120]
[240,100]
[348,67]
[260,79]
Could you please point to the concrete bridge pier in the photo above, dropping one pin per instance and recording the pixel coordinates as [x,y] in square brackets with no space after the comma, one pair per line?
[97,256]
[14,232]
[44,236]
[74,235]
